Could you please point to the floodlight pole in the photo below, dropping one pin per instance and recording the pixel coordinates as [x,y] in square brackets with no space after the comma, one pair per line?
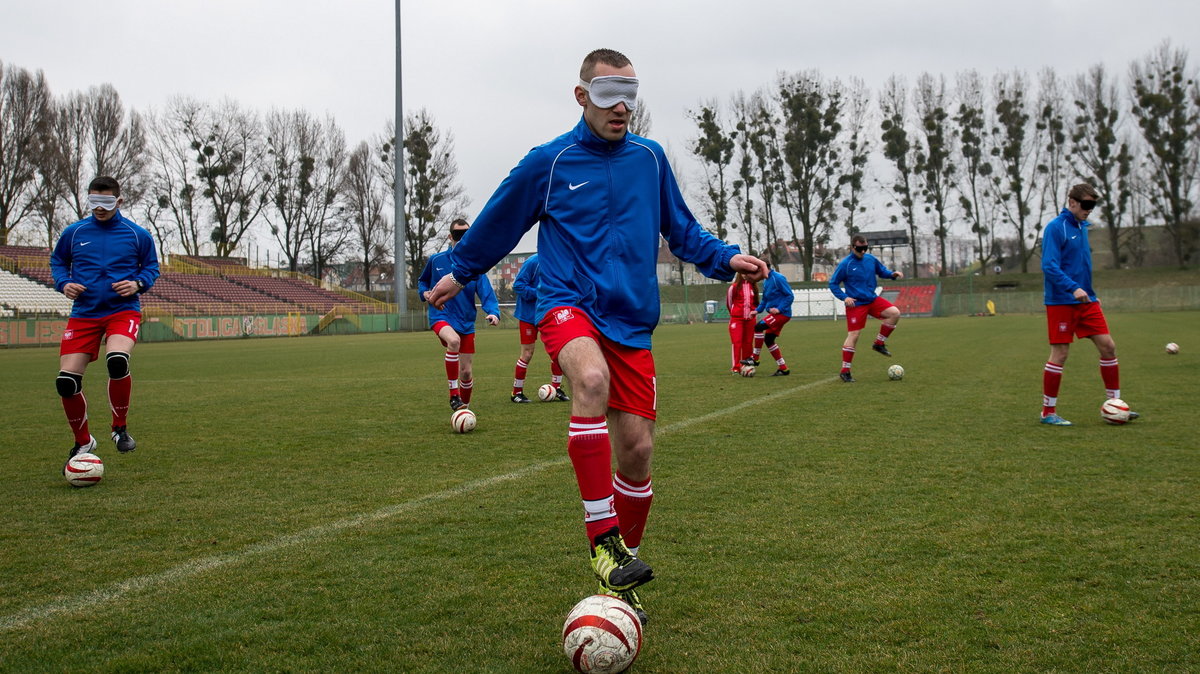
[399,270]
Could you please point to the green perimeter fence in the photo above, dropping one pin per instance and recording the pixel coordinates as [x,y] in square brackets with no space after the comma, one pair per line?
[48,331]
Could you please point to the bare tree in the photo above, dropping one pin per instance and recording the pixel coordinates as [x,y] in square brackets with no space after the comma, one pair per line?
[763,134]
[329,230]
[971,126]
[742,192]
[365,198]
[813,110]
[233,170]
[174,206]
[1099,150]
[1051,126]
[714,146]
[1016,148]
[858,152]
[900,150]
[935,166]
[1166,105]
[25,114]
[640,122]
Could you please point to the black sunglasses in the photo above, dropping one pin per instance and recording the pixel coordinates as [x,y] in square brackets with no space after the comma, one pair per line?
[862,249]
[1087,204]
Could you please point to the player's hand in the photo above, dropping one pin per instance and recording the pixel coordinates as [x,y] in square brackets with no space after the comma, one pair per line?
[1081,295]
[493,319]
[442,292]
[754,268]
[773,311]
[897,275]
[849,301]
[73,290]
[125,288]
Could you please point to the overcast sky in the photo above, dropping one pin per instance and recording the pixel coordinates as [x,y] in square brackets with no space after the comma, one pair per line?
[499,74]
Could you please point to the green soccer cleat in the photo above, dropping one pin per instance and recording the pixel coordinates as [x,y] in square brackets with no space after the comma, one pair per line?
[629,597]
[1055,420]
[615,566]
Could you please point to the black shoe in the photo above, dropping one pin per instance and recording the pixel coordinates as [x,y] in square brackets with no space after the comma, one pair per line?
[124,441]
[781,373]
[1133,415]
[456,403]
[613,564]
[561,396]
[82,449]
[520,398]
[846,377]
[882,348]
[752,362]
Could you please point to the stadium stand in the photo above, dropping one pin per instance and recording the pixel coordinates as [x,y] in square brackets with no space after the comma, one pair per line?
[913,300]
[21,296]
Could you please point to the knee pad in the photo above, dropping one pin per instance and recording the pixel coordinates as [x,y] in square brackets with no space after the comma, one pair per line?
[118,364]
[769,339]
[68,383]
[760,327]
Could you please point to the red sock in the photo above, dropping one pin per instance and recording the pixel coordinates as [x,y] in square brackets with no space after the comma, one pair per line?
[591,456]
[777,355]
[555,374]
[885,331]
[633,499]
[759,339]
[118,398]
[847,358]
[464,389]
[76,409]
[519,376]
[1110,372]
[452,371]
[1051,380]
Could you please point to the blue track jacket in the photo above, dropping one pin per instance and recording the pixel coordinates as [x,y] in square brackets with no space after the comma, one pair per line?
[459,312]
[526,288]
[1066,259]
[858,277]
[602,206]
[98,254]
[777,294]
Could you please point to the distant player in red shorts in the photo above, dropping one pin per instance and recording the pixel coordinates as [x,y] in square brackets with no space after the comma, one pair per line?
[102,263]
[857,272]
[1072,309]
[526,287]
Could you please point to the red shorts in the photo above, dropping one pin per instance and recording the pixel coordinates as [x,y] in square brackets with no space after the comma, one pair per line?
[775,323]
[632,386]
[856,316]
[1065,322]
[466,343]
[528,333]
[83,335]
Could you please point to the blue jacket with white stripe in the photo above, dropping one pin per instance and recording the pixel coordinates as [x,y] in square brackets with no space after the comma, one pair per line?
[1066,259]
[858,278]
[526,288]
[601,207]
[97,254]
[777,294]
[460,311]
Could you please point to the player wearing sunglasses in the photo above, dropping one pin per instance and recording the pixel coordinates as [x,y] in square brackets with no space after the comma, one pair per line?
[1072,309]
[856,274]
[102,263]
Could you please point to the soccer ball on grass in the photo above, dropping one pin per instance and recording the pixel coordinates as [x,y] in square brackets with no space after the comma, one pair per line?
[602,635]
[895,373]
[83,470]
[1114,411]
[747,371]
[1172,348]
[463,420]
[546,392]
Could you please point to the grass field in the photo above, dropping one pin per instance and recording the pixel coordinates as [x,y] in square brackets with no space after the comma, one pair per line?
[302,505]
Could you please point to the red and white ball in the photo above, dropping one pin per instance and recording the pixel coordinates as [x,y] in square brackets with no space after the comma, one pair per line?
[602,635]
[1172,348]
[747,371]
[546,392]
[84,470]
[463,420]
[1114,411]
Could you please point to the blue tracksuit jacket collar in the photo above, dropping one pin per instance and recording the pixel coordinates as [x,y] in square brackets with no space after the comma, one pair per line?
[1070,219]
[587,138]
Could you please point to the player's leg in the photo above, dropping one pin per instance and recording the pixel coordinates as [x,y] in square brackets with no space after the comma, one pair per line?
[118,349]
[760,337]
[736,328]
[466,375]
[69,382]
[633,444]
[1110,371]
[528,336]
[588,443]
[848,346]
[451,342]
[1060,323]
[889,316]
[773,333]
[556,377]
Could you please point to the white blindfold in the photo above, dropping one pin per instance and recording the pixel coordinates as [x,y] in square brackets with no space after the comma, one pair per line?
[608,90]
[105,201]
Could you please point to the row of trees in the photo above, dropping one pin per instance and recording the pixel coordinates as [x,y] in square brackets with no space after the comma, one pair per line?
[204,176]
[801,161]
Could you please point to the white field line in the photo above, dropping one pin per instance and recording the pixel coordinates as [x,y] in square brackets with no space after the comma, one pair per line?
[118,590]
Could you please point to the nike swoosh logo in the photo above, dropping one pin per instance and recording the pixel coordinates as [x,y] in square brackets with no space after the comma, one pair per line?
[84,244]
[574,187]
[1074,237]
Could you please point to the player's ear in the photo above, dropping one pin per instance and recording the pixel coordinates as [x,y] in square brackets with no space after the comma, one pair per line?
[581,97]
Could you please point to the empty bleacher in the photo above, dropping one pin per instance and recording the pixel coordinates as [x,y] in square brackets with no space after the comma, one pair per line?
[20,296]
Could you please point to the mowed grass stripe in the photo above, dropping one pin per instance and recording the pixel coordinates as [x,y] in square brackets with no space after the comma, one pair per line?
[121,589]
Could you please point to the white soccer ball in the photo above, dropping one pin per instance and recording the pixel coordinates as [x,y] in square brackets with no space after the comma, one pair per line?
[463,420]
[1172,348]
[546,392]
[1114,411]
[895,372]
[747,371]
[602,634]
[84,470]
